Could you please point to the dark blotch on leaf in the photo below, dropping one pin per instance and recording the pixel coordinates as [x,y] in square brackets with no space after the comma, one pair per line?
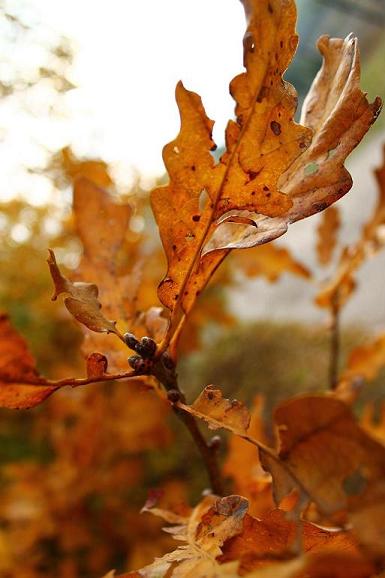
[275,127]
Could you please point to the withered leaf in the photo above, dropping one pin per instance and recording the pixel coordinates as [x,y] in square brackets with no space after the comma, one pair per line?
[114,258]
[365,361]
[273,171]
[101,223]
[83,301]
[219,412]
[339,466]
[211,523]
[324,456]
[94,171]
[21,386]
[270,261]
[97,364]
[274,537]
[327,233]
[372,239]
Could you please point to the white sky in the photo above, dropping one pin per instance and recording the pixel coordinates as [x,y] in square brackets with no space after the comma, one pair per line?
[129,56]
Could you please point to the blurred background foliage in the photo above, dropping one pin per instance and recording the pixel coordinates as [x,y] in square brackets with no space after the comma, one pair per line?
[74,472]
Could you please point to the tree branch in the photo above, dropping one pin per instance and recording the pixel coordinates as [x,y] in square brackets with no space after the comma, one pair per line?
[335,342]
[164,371]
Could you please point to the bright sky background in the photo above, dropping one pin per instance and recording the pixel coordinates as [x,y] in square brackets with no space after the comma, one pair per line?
[129,56]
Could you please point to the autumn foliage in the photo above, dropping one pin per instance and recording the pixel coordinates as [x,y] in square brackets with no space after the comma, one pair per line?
[308,501]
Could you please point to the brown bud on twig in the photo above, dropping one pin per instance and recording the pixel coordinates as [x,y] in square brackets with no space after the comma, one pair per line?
[130,340]
[136,362]
[215,443]
[96,365]
[168,362]
[146,347]
[173,395]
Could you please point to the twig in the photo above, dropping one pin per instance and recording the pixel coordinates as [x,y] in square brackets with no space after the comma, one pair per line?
[335,342]
[164,371]
[75,381]
[208,453]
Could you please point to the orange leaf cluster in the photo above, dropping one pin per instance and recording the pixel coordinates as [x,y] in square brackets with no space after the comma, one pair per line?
[319,492]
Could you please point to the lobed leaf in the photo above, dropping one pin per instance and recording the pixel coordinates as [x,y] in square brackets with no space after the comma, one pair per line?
[211,523]
[273,171]
[21,386]
[327,234]
[83,302]
[324,456]
[219,412]
[270,261]
[340,467]
[372,239]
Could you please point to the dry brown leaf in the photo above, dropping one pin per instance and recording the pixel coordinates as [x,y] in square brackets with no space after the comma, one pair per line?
[270,261]
[327,233]
[243,466]
[95,171]
[21,386]
[365,361]
[96,365]
[83,302]
[372,239]
[274,171]
[114,259]
[211,523]
[324,457]
[274,537]
[101,223]
[218,411]
[335,462]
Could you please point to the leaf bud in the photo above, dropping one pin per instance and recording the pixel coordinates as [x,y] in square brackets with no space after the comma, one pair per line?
[168,362]
[146,347]
[136,362]
[215,443]
[173,395]
[130,340]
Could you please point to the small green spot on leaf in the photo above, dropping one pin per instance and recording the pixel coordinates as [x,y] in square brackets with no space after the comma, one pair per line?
[331,153]
[354,484]
[311,169]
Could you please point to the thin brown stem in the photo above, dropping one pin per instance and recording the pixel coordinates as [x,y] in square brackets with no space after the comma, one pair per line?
[335,342]
[208,454]
[77,381]
[165,373]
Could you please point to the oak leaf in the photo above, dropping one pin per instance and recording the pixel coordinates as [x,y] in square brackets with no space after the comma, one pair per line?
[83,302]
[269,261]
[273,171]
[243,466]
[21,386]
[365,361]
[114,258]
[324,457]
[218,411]
[327,233]
[211,523]
[371,241]
[274,537]
[335,462]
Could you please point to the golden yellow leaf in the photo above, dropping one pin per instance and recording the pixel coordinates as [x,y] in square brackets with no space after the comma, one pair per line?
[273,171]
